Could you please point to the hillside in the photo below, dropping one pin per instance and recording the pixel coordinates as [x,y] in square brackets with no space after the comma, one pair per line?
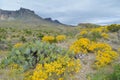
[26,16]
[61,53]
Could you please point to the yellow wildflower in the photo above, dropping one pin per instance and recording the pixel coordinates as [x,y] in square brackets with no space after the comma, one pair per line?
[48,39]
[60,37]
[18,45]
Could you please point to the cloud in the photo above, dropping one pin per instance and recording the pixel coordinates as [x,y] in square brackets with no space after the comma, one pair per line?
[70,11]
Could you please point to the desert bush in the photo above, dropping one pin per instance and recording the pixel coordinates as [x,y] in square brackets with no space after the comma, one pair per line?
[99,46]
[104,54]
[105,35]
[23,39]
[105,58]
[113,27]
[57,70]
[12,72]
[29,54]
[3,33]
[103,51]
[94,34]
[49,61]
[27,31]
[49,39]
[80,46]
[115,75]
[106,74]
[40,35]
[101,74]
[60,38]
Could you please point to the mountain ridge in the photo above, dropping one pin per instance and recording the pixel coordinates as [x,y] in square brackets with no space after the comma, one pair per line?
[26,15]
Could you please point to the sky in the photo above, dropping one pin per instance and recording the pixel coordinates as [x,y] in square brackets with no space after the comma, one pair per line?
[70,12]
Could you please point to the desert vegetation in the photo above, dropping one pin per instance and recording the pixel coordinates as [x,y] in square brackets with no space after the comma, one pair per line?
[60,53]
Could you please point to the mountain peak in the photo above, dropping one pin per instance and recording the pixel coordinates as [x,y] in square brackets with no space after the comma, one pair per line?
[25,10]
[50,20]
[22,13]
[26,15]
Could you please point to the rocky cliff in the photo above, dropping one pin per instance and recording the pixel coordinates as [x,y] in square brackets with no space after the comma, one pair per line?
[24,15]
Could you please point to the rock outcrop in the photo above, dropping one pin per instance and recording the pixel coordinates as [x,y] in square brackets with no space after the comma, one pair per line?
[25,15]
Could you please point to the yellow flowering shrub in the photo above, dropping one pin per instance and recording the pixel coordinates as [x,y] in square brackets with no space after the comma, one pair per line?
[13,72]
[94,34]
[83,32]
[104,35]
[94,47]
[60,37]
[60,79]
[17,45]
[84,45]
[48,39]
[100,29]
[104,58]
[27,75]
[56,70]
[80,45]
[119,50]
[103,51]
[97,30]
[104,29]
[14,66]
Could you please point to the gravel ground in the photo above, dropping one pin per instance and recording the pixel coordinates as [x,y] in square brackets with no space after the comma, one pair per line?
[86,62]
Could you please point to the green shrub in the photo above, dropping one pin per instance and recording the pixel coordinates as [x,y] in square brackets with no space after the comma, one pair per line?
[40,35]
[107,74]
[116,73]
[3,33]
[23,39]
[29,54]
[27,31]
[94,36]
[114,27]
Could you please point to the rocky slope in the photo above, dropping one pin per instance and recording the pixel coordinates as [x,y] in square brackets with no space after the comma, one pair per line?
[27,16]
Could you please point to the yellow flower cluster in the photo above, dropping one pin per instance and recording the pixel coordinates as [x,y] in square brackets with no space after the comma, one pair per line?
[97,30]
[105,57]
[61,66]
[27,75]
[104,53]
[17,45]
[80,45]
[60,37]
[101,31]
[83,32]
[51,39]
[14,66]
[48,39]
[104,35]
[94,47]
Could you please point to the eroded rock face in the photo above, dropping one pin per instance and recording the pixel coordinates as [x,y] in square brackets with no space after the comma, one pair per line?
[50,20]
[26,15]
[5,14]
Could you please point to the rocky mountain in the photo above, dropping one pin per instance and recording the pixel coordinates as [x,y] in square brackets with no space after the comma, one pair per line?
[50,19]
[28,16]
[22,13]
